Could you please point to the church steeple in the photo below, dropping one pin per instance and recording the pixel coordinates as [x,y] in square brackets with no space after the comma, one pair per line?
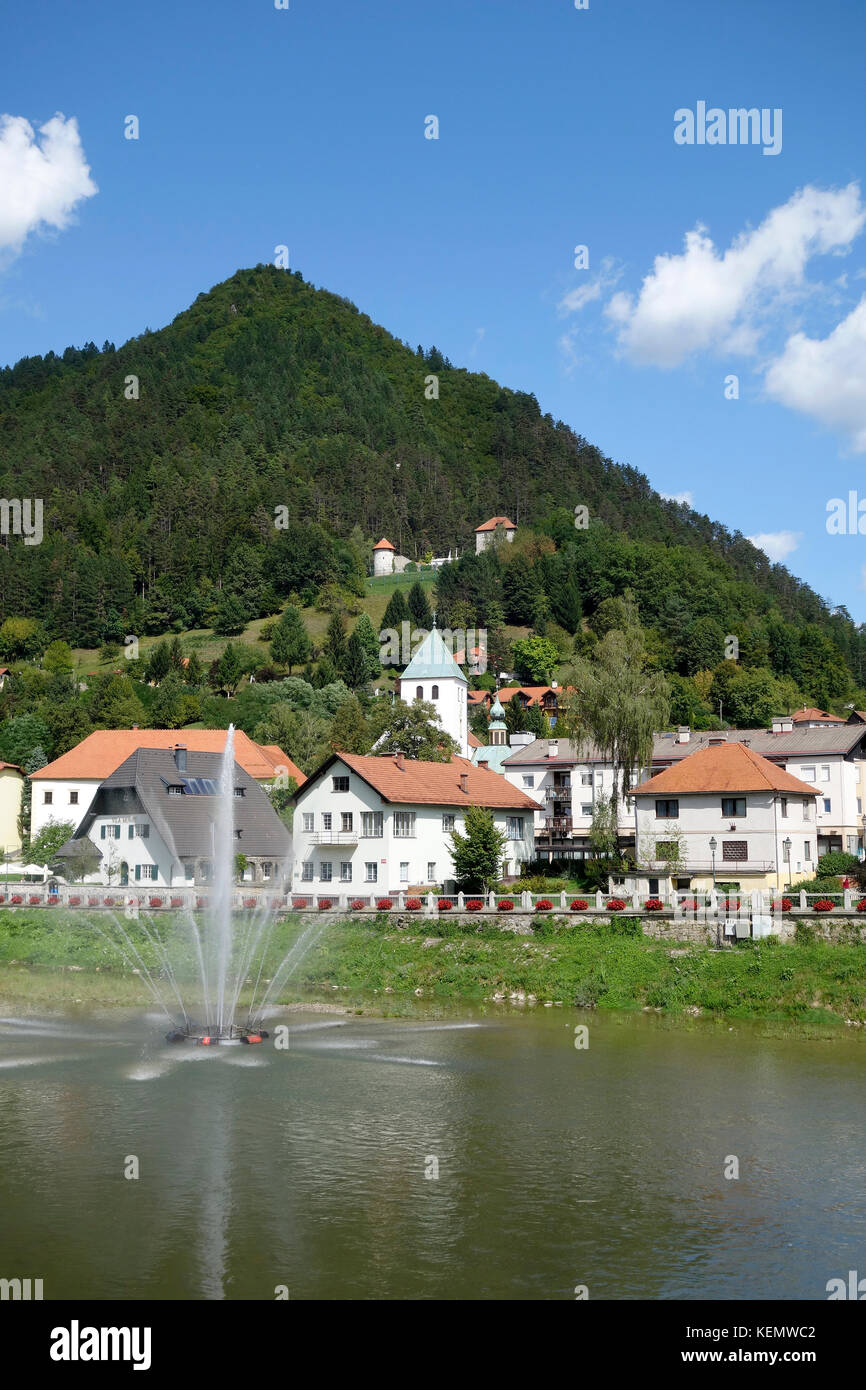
[496,727]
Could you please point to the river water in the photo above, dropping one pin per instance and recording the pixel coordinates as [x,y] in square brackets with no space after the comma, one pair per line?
[477,1157]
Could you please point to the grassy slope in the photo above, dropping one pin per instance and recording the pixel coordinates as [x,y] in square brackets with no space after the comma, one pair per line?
[604,967]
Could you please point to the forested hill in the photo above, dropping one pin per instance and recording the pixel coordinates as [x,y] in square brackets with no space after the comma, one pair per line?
[267,392]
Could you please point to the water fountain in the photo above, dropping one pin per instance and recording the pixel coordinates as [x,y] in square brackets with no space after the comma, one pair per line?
[202,970]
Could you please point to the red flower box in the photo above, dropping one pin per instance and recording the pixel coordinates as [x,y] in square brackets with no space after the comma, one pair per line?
[731,904]
[781,905]
[325,903]
[861,906]
[53,899]
[34,899]
[505,905]
[156,902]
[653,904]
[249,902]
[615,905]
[578,905]
[543,905]
[109,902]
[473,904]
[177,902]
[74,902]
[413,904]
[16,899]
[823,905]
[93,902]
[444,904]
[689,905]
[358,904]
[300,902]
[384,904]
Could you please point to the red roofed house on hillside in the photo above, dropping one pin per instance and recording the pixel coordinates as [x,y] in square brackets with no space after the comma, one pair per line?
[490,531]
[723,814]
[383,824]
[64,789]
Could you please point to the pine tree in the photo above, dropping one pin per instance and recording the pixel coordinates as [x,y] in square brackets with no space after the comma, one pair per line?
[290,645]
[370,643]
[349,730]
[355,665]
[396,613]
[419,608]
[477,855]
[158,663]
[230,668]
[335,643]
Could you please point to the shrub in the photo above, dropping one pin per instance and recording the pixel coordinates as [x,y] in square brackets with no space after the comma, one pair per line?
[177,902]
[578,905]
[444,904]
[325,903]
[505,905]
[413,904]
[836,863]
[358,904]
[653,904]
[473,904]
[543,905]
[156,902]
[16,899]
[615,905]
[384,904]
[823,905]
[781,905]
[300,902]
[75,902]
[861,906]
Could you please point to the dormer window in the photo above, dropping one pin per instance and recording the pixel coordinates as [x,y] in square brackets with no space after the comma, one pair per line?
[240,791]
[175,789]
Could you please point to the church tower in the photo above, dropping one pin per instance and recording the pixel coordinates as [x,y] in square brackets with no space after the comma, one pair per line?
[434,675]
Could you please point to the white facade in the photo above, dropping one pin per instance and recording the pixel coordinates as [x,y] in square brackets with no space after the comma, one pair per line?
[133,853]
[353,840]
[60,800]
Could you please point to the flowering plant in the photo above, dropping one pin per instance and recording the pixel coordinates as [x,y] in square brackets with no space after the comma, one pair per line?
[653,904]
[543,905]
[473,904]
[384,904]
[823,905]
[578,905]
[616,905]
[505,905]
[413,904]
[444,904]
[325,903]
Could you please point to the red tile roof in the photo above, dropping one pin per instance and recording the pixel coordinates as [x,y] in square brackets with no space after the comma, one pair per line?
[495,521]
[383,545]
[102,752]
[807,716]
[473,741]
[725,767]
[434,784]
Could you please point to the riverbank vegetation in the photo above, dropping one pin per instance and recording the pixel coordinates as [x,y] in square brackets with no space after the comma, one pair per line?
[57,960]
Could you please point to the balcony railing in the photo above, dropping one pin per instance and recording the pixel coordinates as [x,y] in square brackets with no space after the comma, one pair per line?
[725,868]
[334,837]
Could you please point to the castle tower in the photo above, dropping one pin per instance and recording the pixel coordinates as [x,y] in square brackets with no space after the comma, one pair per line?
[383,558]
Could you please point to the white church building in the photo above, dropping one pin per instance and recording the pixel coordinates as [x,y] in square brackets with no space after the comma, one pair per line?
[434,675]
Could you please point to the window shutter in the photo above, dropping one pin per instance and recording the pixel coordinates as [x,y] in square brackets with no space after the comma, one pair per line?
[137,873]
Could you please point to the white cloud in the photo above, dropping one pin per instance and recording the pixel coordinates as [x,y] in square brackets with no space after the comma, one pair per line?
[42,179]
[777,545]
[687,498]
[584,294]
[826,377]
[706,300]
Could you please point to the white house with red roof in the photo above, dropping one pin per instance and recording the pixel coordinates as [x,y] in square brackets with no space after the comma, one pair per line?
[386,560]
[383,824]
[724,814]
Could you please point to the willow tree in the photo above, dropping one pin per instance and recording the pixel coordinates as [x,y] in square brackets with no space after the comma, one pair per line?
[618,703]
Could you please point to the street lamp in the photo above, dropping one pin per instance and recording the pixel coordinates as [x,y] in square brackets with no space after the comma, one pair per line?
[714,844]
[786,850]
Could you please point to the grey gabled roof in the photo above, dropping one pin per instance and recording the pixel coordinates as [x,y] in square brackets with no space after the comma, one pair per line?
[840,739]
[184,823]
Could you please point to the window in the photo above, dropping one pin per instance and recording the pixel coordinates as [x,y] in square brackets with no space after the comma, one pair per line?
[807,774]
[859,806]
[326,872]
[404,825]
[109,832]
[175,789]
[784,807]
[434,693]
[807,810]
[431,870]
[189,872]
[826,801]
[404,871]
[514,827]
[73,798]
[371,825]
[667,810]
[419,692]
[267,870]
[346,872]
[47,798]
[148,873]
[239,833]
[340,784]
[448,822]
[307,871]
[240,791]
[735,850]
[326,820]
[807,850]
[586,779]
[371,872]
[733,806]
[309,821]
[825,772]
[586,808]
[529,780]
[345,820]
[131,832]
[853,844]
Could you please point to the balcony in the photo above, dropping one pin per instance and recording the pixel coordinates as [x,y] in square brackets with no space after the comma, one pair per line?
[560,792]
[725,868]
[334,837]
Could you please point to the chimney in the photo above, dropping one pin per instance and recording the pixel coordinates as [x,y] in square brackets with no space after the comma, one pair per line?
[782,724]
[715,739]
[398,759]
[135,726]
[521,740]
[464,782]
[684,733]
[552,747]
[180,757]
[483,763]
[554,685]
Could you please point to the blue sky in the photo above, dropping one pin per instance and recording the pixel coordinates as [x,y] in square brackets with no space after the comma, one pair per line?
[305,127]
